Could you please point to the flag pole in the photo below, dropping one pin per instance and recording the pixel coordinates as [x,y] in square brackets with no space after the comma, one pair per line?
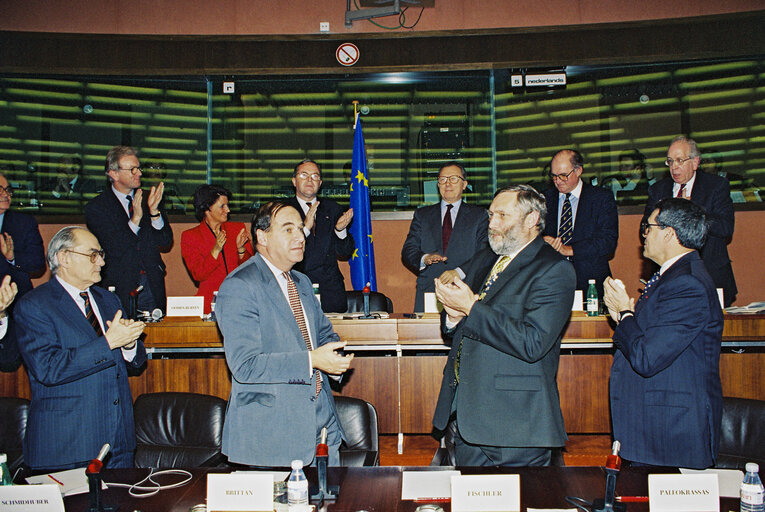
[355,112]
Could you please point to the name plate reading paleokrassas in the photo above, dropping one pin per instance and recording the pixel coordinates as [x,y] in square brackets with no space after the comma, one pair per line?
[684,493]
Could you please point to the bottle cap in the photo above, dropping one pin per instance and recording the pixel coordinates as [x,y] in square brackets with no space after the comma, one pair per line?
[752,467]
[297,464]
[3,458]
[591,281]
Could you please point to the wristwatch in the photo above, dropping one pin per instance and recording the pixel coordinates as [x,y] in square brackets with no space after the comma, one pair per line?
[624,313]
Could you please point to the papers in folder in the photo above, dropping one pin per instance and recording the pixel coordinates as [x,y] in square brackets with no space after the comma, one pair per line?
[70,482]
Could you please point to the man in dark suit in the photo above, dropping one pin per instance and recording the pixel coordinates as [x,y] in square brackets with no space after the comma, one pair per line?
[326,237]
[590,228]
[76,347]
[506,320]
[437,242]
[666,397]
[712,193]
[280,348]
[22,256]
[132,229]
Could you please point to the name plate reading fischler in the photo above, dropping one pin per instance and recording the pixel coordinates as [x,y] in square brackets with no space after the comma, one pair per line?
[245,492]
[684,493]
[486,493]
[31,498]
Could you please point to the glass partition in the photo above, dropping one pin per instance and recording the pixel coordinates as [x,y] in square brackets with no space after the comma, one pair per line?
[55,131]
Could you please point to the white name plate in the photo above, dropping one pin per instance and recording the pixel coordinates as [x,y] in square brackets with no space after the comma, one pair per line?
[486,493]
[683,493]
[185,306]
[246,492]
[31,498]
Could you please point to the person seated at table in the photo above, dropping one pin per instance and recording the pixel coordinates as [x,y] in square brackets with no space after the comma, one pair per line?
[215,247]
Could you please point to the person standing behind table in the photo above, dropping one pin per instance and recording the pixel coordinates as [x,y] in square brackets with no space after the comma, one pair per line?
[586,229]
[215,247]
[666,396]
[326,237]
[712,193]
[437,242]
[499,391]
[77,347]
[131,227]
[23,255]
[280,349]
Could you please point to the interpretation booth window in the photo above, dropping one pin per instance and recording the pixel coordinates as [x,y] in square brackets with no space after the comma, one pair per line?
[189,132]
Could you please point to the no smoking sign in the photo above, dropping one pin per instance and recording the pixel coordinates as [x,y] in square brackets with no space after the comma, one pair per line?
[347,54]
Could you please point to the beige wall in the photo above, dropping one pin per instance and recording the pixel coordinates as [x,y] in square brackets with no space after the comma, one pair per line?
[243,17]
[397,282]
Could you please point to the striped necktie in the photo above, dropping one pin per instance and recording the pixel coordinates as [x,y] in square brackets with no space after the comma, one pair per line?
[91,315]
[565,226]
[297,311]
[129,200]
[681,191]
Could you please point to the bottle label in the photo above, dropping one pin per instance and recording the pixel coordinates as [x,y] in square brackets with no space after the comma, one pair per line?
[751,494]
[592,305]
[297,492]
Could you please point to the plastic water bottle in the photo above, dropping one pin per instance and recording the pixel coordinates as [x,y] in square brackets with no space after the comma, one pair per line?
[751,490]
[5,474]
[592,299]
[316,293]
[297,485]
[212,305]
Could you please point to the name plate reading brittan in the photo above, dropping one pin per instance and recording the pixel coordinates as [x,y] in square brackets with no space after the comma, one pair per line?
[486,493]
[246,492]
[31,498]
[684,493]
[186,306]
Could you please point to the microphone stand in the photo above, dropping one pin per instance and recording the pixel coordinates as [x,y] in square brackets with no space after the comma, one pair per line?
[93,472]
[613,465]
[324,492]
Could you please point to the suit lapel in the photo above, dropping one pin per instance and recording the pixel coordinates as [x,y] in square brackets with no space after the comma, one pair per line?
[521,260]
[281,305]
[69,309]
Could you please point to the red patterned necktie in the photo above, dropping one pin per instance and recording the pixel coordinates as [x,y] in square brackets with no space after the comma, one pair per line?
[446,228]
[297,311]
[680,191]
[91,315]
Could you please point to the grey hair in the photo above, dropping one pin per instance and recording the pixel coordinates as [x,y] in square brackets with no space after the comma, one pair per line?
[529,200]
[694,152]
[61,241]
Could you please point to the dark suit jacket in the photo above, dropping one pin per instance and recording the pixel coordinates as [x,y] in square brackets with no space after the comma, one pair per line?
[80,394]
[29,259]
[596,231]
[196,244]
[322,250]
[469,236]
[666,399]
[712,193]
[508,394]
[271,415]
[127,253]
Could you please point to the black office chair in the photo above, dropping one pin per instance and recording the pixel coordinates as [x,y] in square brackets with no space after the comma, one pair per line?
[13,425]
[178,430]
[359,421]
[377,302]
[742,433]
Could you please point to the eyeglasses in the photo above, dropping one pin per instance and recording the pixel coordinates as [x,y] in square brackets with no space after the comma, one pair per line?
[8,190]
[451,179]
[680,161]
[93,255]
[644,225]
[306,176]
[562,177]
[133,170]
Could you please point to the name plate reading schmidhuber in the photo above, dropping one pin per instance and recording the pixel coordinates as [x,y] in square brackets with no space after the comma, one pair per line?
[684,493]
[31,498]
[246,492]
[486,493]
[186,306]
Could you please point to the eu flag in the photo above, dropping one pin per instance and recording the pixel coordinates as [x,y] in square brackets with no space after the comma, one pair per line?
[363,259]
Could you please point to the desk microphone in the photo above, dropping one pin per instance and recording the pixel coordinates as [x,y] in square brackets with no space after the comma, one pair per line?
[133,302]
[613,465]
[323,493]
[98,463]
[366,291]
[93,472]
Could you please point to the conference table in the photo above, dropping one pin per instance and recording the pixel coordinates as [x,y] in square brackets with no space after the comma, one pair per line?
[378,489]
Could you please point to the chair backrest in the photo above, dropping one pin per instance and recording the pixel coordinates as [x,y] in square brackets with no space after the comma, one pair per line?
[178,430]
[377,302]
[359,421]
[13,425]
[742,433]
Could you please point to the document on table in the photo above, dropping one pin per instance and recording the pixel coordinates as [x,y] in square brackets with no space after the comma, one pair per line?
[70,482]
[729,480]
[427,485]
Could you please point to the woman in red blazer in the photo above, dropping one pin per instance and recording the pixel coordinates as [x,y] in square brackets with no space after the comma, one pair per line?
[215,247]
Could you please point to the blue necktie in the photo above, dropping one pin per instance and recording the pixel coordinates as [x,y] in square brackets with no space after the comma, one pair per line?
[565,226]
[649,284]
